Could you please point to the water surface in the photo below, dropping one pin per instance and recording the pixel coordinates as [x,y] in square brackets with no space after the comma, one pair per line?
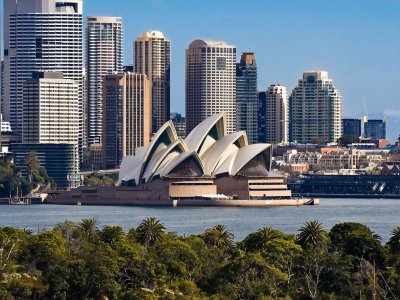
[381,215]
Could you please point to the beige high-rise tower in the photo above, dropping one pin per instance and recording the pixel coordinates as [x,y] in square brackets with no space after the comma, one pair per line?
[50,109]
[210,82]
[152,57]
[277,114]
[127,116]
[104,56]
[315,108]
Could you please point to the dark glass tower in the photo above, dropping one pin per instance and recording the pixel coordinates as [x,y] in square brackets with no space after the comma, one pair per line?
[352,127]
[375,129]
[246,96]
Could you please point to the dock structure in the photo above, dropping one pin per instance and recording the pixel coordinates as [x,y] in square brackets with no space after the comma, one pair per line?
[20,201]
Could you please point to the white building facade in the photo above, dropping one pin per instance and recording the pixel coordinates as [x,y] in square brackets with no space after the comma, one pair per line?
[152,57]
[40,35]
[210,82]
[104,56]
[277,114]
[316,109]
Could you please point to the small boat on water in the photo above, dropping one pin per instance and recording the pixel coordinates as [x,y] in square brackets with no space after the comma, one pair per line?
[78,203]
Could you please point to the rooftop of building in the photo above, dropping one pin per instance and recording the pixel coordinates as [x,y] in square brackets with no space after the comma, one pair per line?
[209,43]
[151,34]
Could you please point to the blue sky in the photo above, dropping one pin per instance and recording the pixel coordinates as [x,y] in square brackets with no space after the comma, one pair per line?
[356,41]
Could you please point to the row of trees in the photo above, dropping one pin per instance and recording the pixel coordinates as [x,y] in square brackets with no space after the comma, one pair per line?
[23,179]
[80,261]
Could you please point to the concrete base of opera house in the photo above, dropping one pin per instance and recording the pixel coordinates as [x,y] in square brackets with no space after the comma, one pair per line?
[227,191]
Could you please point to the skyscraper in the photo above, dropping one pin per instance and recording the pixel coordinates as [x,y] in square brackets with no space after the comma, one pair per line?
[127,116]
[315,108]
[210,82]
[352,127]
[152,57]
[246,96]
[104,55]
[50,125]
[375,129]
[50,109]
[40,35]
[274,112]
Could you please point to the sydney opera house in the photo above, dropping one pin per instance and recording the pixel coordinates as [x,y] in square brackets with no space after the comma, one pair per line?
[209,168]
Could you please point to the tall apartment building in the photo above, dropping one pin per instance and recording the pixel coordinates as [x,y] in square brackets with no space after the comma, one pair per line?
[210,82]
[152,57]
[127,116]
[246,96]
[50,117]
[104,55]
[375,128]
[40,35]
[274,115]
[50,109]
[315,108]
[351,127]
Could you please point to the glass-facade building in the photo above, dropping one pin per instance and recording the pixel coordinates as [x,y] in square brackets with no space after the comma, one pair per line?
[352,127]
[375,129]
[246,96]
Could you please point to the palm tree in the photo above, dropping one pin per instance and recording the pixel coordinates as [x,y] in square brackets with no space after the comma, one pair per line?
[264,235]
[112,234]
[312,234]
[150,231]
[219,236]
[88,227]
[394,240]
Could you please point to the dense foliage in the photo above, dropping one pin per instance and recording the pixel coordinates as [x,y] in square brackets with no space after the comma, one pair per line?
[81,261]
[25,179]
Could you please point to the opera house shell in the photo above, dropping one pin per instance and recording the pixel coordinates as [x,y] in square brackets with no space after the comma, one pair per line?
[208,168]
[207,152]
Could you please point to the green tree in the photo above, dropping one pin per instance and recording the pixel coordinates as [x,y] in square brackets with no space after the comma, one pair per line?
[394,241]
[112,234]
[150,231]
[259,239]
[312,234]
[219,236]
[358,240]
[88,227]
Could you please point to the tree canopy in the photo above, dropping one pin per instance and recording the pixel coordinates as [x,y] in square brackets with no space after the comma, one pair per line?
[80,260]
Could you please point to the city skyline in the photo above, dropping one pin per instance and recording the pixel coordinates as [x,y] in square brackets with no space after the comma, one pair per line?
[371,28]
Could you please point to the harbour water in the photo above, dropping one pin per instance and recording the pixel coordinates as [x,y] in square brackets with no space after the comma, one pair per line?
[381,215]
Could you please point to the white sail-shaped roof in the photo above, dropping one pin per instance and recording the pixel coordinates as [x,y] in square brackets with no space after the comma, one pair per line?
[222,149]
[206,151]
[179,159]
[237,160]
[158,158]
[204,135]
[246,154]
[130,169]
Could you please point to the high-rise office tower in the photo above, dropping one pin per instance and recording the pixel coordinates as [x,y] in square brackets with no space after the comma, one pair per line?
[127,116]
[246,96]
[50,125]
[274,115]
[375,128]
[210,82]
[40,35]
[351,127]
[152,57]
[315,108]
[179,124]
[104,55]
[50,109]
